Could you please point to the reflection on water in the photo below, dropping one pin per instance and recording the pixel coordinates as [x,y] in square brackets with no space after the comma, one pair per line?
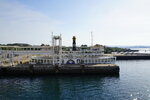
[56,87]
[132,84]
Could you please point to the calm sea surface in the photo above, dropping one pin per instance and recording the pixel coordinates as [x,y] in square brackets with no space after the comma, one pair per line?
[133,83]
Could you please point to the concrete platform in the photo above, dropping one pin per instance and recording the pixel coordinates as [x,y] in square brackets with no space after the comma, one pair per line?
[133,57]
[38,69]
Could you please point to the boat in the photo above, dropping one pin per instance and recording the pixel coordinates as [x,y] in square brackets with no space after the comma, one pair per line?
[73,55]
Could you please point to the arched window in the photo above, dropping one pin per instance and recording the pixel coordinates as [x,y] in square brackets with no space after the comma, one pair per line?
[78,61]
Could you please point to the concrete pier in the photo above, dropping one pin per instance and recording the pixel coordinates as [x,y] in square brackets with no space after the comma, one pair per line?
[133,56]
[37,69]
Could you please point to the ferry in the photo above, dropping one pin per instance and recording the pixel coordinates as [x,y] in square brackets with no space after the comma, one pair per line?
[55,54]
[83,55]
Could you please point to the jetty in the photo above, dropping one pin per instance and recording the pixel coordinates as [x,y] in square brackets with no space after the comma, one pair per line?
[133,56]
[40,69]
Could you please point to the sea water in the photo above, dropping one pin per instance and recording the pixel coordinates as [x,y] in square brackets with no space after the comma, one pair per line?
[133,83]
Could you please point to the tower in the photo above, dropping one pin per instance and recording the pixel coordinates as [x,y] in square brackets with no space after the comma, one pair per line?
[74,43]
[57,49]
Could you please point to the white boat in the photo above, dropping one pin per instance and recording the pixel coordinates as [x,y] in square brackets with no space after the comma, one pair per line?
[55,54]
[80,55]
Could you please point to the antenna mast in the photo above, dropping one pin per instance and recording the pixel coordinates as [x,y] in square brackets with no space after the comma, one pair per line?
[52,38]
[92,39]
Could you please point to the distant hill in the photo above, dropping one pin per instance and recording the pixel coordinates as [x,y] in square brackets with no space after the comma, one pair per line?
[109,50]
[18,44]
[139,47]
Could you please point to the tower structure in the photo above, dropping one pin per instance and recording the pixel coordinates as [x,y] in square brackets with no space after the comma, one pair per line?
[74,43]
[57,49]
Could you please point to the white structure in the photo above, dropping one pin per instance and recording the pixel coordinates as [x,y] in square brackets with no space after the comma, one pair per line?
[85,55]
[57,49]
[11,55]
[54,54]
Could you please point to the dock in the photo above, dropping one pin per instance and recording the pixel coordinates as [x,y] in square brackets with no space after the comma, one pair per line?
[39,69]
[133,56]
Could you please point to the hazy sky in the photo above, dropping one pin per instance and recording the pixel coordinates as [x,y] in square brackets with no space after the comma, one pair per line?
[113,22]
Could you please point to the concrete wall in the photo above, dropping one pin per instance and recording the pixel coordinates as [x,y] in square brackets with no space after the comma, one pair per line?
[57,70]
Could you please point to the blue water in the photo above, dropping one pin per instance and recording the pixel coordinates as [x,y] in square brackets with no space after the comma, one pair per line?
[133,83]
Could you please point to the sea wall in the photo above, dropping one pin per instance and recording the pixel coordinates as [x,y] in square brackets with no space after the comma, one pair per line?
[33,70]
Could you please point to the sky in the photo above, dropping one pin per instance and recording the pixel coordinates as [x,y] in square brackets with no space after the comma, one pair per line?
[112,22]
